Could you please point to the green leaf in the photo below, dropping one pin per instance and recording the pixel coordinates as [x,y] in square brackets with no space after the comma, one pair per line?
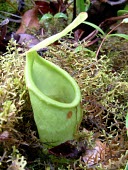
[46,17]
[81,48]
[94,26]
[78,49]
[125,20]
[80,6]
[60,15]
[125,36]
[122,12]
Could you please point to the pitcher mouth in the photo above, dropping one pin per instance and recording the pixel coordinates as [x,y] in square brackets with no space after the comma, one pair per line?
[32,87]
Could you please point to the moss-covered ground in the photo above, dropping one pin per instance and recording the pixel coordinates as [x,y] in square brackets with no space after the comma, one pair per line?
[104,88]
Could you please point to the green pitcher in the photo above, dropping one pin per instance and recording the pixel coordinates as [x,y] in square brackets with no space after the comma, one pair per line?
[55,98]
[54,95]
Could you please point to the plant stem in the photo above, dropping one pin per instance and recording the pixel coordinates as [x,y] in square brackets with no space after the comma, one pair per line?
[97,53]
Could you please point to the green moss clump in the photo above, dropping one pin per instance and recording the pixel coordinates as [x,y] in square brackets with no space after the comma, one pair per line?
[12,86]
[6,7]
[13,96]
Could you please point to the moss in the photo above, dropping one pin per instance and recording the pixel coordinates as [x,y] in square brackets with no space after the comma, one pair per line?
[12,85]
[9,6]
[104,89]
[13,96]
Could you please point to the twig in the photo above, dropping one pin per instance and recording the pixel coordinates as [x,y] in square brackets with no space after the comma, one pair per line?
[106,38]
